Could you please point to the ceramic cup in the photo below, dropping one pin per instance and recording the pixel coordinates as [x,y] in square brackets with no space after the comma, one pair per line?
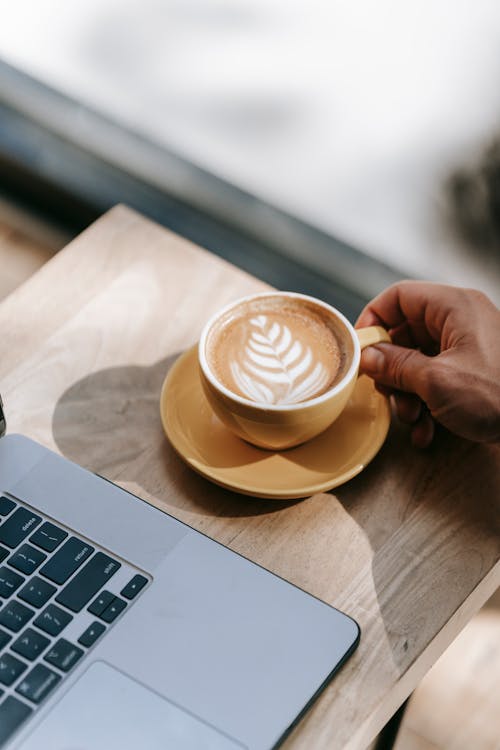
[281,426]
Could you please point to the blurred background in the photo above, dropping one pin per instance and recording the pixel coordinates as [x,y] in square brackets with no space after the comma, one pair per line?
[341,135]
[327,147]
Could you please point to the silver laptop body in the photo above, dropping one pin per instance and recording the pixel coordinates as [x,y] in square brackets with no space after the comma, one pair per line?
[193,647]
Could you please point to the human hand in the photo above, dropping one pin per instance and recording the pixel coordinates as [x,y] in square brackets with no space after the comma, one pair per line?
[444,362]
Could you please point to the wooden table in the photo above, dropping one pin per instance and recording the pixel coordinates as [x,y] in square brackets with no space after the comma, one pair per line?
[410,548]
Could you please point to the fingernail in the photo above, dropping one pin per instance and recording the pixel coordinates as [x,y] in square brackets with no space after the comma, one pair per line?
[372,360]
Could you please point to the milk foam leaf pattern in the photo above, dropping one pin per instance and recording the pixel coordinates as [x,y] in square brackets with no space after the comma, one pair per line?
[275,368]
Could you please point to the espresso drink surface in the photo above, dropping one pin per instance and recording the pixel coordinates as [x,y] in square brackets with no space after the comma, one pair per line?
[277,351]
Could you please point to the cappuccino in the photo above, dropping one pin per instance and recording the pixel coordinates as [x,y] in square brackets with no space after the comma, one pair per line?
[278,350]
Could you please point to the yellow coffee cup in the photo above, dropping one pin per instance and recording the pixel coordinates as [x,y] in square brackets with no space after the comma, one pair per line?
[284,425]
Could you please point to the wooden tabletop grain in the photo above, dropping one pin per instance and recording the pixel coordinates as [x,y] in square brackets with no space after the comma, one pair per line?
[410,548]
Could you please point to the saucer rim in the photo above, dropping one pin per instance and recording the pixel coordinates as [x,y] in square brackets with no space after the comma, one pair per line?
[266,493]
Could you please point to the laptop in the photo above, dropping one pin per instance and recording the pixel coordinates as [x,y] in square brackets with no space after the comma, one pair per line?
[123,628]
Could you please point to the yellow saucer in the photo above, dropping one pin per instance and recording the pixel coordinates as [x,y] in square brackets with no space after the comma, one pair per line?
[321,464]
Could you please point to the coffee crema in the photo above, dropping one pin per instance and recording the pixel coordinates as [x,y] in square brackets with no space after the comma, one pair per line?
[278,350]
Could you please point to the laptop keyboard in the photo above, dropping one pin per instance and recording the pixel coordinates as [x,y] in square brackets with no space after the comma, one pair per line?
[59,595]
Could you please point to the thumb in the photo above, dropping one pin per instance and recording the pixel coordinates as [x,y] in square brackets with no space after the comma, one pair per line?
[396,367]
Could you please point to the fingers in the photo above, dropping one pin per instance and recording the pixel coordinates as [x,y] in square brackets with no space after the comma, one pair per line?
[443,348]
[403,370]
[415,336]
[423,305]
[412,411]
[408,407]
[369,317]
[395,305]
[396,367]
[423,431]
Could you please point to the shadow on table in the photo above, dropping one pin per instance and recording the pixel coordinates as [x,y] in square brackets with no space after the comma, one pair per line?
[111,419]
[431,550]
[110,423]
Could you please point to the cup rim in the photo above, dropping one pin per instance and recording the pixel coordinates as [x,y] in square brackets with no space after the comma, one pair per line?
[300,405]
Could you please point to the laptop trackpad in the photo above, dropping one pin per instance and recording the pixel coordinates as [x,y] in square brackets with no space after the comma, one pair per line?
[106,710]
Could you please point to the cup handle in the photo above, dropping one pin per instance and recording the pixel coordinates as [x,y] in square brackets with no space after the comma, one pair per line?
[372,335]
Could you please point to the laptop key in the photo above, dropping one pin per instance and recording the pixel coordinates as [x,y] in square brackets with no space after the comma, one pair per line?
[9,582]
[27,559]
[113,610]
[66,560]
[6,506]
[38,683]
[63,655]
[100,603]
[10,669]
[15,615]
[88,581]
[17,527]
[93,632]
[4,553]
[5,638]
[12,715]
[30,644]
[133,587]
[52,620]
[48,536]
[37,592]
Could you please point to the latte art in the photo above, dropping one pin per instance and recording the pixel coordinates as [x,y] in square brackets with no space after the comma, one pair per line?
[276,354]
[274,367]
